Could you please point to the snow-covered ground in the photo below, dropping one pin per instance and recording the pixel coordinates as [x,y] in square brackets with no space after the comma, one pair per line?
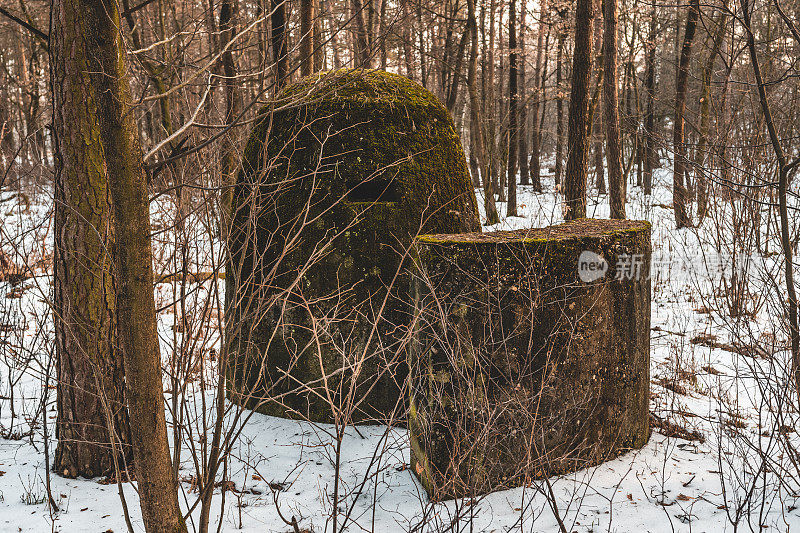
[704,380]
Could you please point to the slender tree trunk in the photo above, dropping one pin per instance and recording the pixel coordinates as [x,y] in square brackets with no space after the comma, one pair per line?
[502,111]
[89,363]
[616,181]
[599,160]
[316,39]
[649,119]
[408,50]
[362,45]
[87,40]
[559,170]
[227,26]
[536,149]
[278,23]
[784,166]
[543,91]
[594,121]
[701,184]
[513,78]
[578,135]
[491,105]
[154,71]
[455,75]
[382,35]
[306,37]
[475,117]
[524,172]
[679,192]
[423,61]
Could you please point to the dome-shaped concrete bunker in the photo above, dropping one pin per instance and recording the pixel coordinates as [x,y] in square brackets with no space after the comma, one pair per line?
[341,171]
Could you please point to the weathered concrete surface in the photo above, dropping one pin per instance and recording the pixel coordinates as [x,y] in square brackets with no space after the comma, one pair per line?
[340,173]
[520,369]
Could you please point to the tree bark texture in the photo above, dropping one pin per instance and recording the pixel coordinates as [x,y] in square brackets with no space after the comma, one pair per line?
[90,45]
[90,366]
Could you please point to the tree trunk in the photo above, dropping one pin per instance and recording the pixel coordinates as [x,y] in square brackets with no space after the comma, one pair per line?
[382,35]
[578,136]
[599,164]
[306,37]
[513,77]
[524,172]
[87,44]
[316,39]
[616,183]
[559,170]
[408,51]
[278,23]
[455,75]
[784,167]
[679,192]
[491,105]
[423,62]
[363,56]
[90,367]
[701,185]
[475,118]
[650,157]
[227,26]
[536,149]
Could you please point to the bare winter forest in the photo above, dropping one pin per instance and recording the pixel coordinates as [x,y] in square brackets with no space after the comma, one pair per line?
[399,265]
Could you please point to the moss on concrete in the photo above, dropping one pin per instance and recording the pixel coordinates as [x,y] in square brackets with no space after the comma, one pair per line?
[341,170]
[520,369]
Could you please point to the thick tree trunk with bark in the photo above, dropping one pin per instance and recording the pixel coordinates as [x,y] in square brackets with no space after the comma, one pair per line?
[88,43]
[578,135]
[90,366]
[616,183]
[679,192]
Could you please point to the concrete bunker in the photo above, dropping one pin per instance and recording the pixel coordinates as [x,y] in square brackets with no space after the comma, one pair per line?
[531,353]
[341,171]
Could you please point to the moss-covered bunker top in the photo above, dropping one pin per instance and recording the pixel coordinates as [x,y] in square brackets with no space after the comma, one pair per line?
[368,135]
[358,86]
[575,229]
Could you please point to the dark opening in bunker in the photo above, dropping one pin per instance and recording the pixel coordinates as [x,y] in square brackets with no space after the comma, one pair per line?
[374,190]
